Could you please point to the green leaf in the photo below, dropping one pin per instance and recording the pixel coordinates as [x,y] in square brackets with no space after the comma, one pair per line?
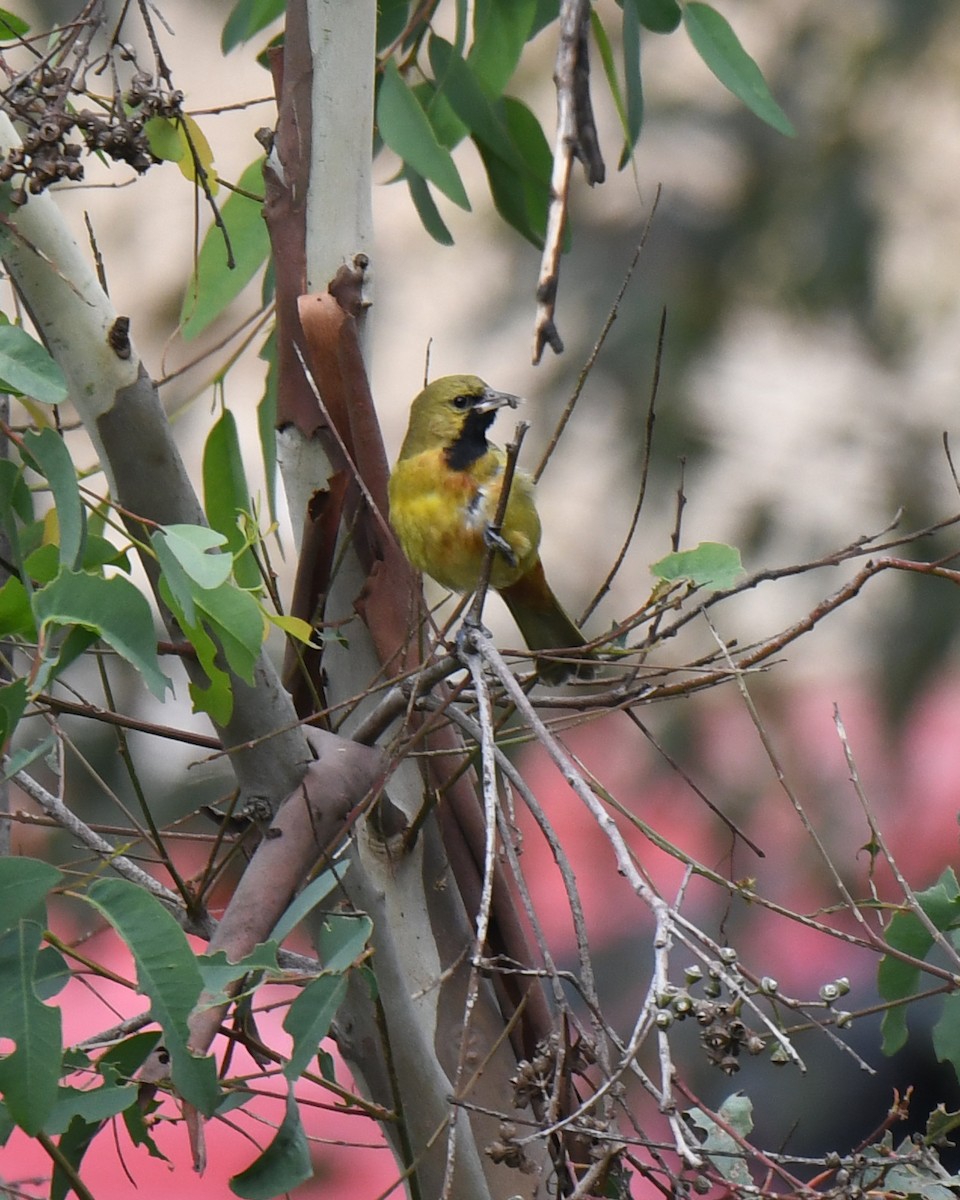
[123,1060]
[91,1105]
[405,128]
[15,496]
[196,161]
[457,82]
[343,938]
[510,197]
[73,1145]
[21,759]
[185,555]
[58,658]
[710,564]
[308,1020]
[247,19]
[11,26]
[114,610]
[282,1166]
[13,703]
[165,139]
[723,1150]
[235,620]
[391,21]
[52,974]
[294,627]
[629,109]
[327,1065]
[216,700]
[522,198]
[910,1171]
[168,974]
[897,980]
[720,49]
[318,889]
[547,12]
[940,1124]
[606,59]
[30,1072]
[632,84]
[219,972]
[427,211]
[500,31]
[47,450]
[946,1033]
[27,369]
[140,1133]
[24,883]
[43,564]
[226,494]
[267,421]
[659,16]
[737,1112]
[213,618]
[16,613]
[446,125]
[120,1063]
[215,284]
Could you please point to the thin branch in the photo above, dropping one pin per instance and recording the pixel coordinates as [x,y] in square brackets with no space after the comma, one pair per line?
[695,788]
[681,505]
[55,808]
[493,531]
[787,789]
[878,840]
[488,777]
[576,137]
[594,354]
[644,473]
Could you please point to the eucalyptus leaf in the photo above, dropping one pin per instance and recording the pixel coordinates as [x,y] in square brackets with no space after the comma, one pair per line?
[27,369]
[406,129]
[720,48]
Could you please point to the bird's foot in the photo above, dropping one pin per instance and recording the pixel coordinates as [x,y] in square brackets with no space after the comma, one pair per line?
[496,541]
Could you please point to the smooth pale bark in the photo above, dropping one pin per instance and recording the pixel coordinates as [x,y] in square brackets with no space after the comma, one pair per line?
[423,936]
[123,417]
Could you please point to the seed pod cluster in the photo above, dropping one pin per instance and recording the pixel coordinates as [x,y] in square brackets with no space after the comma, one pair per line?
[57,132]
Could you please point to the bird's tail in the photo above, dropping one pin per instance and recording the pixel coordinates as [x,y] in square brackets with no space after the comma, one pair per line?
[545,625]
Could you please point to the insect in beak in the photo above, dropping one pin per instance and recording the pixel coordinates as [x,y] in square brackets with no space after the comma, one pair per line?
[490,401]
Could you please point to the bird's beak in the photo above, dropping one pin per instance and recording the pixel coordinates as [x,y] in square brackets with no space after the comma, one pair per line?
[490,401]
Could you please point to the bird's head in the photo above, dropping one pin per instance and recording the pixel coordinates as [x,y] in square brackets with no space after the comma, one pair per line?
[454,412]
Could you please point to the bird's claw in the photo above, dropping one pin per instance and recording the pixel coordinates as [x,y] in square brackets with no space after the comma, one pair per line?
[496,541]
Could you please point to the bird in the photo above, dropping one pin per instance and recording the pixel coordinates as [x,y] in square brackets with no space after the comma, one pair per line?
[444,492]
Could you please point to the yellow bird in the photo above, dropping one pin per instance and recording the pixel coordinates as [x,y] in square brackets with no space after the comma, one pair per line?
[444,493]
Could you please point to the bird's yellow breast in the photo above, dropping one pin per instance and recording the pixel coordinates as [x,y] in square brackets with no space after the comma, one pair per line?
[440,516]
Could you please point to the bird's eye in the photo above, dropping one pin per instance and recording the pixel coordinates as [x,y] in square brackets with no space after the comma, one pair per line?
[462,402]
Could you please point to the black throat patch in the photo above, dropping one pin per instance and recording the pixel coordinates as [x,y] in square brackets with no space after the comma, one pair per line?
[471,442]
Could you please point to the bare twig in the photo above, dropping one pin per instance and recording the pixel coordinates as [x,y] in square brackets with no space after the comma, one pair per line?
[594,354]
[681,505]
[475,611]
[644,473]
[852,906]
[576,138]
[877,839]
[55,808]
[488,777]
